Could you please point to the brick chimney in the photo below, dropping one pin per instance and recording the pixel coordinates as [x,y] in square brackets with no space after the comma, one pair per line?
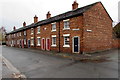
[48,15]
[74,5]
[35,19]
[14,28]
[24,24]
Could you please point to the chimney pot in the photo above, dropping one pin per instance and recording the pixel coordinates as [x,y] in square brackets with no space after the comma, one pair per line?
[35,19]
[74,5]
[48,15]
[24,24]
[14,28]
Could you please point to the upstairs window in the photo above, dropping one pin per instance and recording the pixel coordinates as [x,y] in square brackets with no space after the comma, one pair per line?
[20,33]
[32,31]
[38,29]
[54,26]
[66,24]
[24,32]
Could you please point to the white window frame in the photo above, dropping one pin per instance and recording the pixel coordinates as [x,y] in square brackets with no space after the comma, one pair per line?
[32,31]
[32,43]
[38,28]
[53,26]
[24,33]
[24,41]
[68,26]
[66,35]
[38,44]
[54,45]
[20,33]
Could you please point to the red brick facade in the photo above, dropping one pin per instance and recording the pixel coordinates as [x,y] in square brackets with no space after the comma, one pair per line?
[89,31]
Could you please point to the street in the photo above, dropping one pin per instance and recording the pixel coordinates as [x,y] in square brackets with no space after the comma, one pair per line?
[37,65]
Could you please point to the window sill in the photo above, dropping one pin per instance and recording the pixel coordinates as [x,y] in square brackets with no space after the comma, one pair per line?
[66,29]
[66,45]
[32,44]
[53,45]
[38,33]
[53,31]
[38,44]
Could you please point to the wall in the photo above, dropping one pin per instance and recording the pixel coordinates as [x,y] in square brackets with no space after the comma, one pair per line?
[100,38]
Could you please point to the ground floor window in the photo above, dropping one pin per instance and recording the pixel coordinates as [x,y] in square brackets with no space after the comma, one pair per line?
[38,41]
[53,40]
[32,41]
[24,41]
[66,41]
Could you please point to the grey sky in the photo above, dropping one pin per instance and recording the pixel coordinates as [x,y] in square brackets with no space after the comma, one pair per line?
[15,12]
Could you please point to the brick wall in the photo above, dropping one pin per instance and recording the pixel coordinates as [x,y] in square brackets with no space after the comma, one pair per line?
[97,20]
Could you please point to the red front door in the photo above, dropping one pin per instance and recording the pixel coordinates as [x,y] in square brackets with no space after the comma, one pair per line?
[43,44]
[48,44]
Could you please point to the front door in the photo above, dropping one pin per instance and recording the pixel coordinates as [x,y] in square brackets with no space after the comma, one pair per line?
[76,44]
[48,44]
[43,44]
[28,43]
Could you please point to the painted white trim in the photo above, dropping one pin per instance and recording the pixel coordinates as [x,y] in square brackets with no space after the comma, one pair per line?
[53,23]
[47,44]
[66,28]
[66,45]
[75,29]
[42,44]
[38,37]
[66,35]
[53,45]
[53,30]
[37,41]
[78,44]
[53,35]
[66,20]
[32,37]
[88,30]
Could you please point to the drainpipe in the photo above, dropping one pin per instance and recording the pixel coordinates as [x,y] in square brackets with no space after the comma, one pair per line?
[59,36]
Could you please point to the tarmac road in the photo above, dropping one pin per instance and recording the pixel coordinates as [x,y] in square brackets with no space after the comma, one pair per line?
[37,65]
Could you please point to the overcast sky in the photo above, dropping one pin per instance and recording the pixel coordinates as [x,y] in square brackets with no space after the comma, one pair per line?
[15,12]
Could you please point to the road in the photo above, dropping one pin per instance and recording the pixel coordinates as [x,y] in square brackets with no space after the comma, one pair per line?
[37,65]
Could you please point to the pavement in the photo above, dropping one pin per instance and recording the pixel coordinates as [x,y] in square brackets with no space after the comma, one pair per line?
[43,64]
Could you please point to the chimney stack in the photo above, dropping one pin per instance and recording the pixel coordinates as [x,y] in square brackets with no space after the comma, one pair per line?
[14,28]
[74,5]
[24,24]
[35,19]
[48,15]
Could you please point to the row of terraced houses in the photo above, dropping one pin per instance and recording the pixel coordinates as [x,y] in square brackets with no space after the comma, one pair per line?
[81,30]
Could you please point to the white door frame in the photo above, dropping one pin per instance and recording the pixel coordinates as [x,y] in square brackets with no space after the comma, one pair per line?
[78,44]
[47,44]
[43,44]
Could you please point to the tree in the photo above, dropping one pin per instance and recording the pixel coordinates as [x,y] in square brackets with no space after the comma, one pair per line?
[2,34]
[116,30]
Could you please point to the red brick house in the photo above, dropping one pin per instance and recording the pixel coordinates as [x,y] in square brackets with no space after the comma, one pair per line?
[85,29]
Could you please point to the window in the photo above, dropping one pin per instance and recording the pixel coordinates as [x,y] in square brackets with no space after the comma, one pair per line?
[38,41]
[53,40]
[38,29]
[66,24]
[24,41]
[53,26]
[20,33]
[32,41]
[32,31]
[24,32]
[66,40]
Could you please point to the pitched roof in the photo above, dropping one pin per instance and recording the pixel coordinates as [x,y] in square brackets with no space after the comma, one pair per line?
[59,17]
